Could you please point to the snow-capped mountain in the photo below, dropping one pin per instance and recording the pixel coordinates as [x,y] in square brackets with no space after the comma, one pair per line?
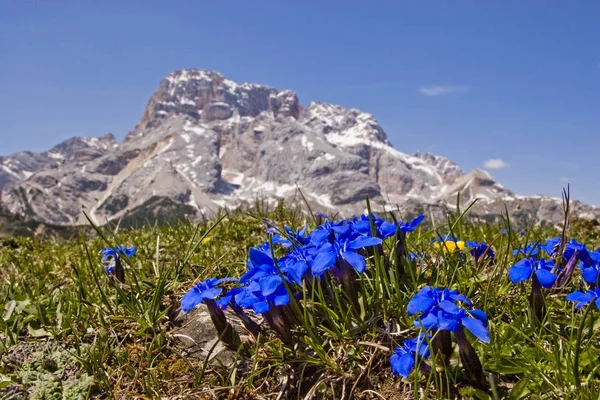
[206,142]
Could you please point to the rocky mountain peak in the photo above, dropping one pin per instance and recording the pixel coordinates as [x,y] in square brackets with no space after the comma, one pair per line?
[83,148]
[443,164]
[344,127]
[206,95]
[22,165]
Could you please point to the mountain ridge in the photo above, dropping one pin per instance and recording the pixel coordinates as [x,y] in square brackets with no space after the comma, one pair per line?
[205,142]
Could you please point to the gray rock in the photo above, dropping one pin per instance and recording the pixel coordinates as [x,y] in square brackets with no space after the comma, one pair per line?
[198,339]
[216,110]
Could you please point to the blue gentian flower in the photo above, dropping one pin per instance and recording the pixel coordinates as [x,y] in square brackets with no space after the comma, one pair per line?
[407,227]
[260,264]
[203,291]
[479,249]
[291,238]
[551,246]
[297,262]
[328,231]
[572,247]
[439,312]
[583,299]
[449,317]
[117,251]
[262,270]
[531,250]
[403,360]
[115,268]
[384,228]
[523,270]
[263,284]
[343,250]
[429,297]
[590,273]
[254,296]
[228,298]
[579,250]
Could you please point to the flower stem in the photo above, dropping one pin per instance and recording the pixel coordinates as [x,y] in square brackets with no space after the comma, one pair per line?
[578,347]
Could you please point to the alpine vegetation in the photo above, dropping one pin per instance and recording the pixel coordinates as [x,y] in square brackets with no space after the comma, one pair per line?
[280,303]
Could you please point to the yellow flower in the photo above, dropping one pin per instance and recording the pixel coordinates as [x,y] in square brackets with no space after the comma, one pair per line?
[206,240]
[449,246]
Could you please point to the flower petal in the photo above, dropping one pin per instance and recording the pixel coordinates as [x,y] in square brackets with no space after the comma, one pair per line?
[269,284]
[296,271]
[406,364]
[460,297]
[281,299]
[246,298]
[581,298]
[363,241]
[449,307]
[545,277]
[480,315]
[417,220]
[259,258]
[324,260]
[590,275]
[356,260]
[420,303]
[387,229]
[260,307]
[519,273]
[211,293]
[477,328]
[224,301]
[194,297]
[427,322]
[447,324]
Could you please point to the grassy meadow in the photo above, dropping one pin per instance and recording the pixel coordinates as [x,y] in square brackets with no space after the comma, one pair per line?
[70,330]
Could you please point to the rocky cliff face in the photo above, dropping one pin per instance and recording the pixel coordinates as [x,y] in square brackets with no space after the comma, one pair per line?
[206,142]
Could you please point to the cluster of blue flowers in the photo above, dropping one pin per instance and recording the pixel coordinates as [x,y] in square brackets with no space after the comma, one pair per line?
[548,274]
[332,248]
[439,310]
[403,360]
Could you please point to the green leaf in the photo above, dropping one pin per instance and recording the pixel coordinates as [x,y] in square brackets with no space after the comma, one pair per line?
[506,367]
[21,306]
[8,309]
[59,316]
[5,381]
[588,357]
[41,332]
[521,389]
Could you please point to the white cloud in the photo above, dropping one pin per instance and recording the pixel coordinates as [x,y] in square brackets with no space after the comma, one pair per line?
[563,179]
[495,163]
[440,90]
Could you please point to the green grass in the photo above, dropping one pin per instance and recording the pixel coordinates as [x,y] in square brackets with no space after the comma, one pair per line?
[65,322]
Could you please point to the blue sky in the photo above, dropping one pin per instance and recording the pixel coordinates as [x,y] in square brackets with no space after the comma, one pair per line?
[474,81]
